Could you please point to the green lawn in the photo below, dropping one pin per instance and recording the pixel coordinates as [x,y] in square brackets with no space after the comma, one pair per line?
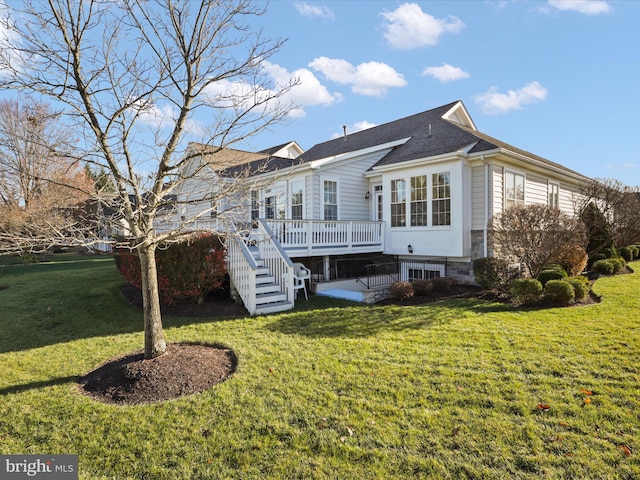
[454,389]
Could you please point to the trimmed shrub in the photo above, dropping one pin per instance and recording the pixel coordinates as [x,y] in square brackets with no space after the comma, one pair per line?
[626,253]
[580,286]
[422,288]
[604,267]
[618,264]
[401,291]
[525,291]
[595,258]
[557,273]
[494,273]
[559,292]
[442,284]
[636,252]
[572,258]
[188,270]
[611,252]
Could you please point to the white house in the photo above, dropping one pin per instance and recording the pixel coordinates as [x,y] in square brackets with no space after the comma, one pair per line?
[404,200]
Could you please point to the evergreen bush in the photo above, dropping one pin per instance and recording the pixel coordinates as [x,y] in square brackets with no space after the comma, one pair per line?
[626,253]
[559,292]
[580,286]
[604,267]
[557,273]
[493,273]
[525,291]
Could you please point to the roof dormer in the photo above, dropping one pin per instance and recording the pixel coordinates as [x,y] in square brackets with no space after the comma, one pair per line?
[459,114]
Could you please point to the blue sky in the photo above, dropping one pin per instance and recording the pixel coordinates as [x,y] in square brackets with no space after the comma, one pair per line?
[558,78]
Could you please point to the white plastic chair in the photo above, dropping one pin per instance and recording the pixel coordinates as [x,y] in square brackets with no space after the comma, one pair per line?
[300,275]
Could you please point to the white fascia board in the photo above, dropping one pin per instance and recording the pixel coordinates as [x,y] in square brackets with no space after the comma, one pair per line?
[316,164]
[445,157]
[283,172]
[460,110]
[546,166]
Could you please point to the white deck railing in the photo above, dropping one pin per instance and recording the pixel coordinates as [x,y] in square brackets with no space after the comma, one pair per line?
[242,269]
[242,266]
[315,235]
[275,258]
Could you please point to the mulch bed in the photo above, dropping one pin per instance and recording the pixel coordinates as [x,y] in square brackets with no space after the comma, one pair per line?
[183,369]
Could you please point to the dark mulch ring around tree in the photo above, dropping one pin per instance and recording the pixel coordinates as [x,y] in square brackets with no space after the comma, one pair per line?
[184,369]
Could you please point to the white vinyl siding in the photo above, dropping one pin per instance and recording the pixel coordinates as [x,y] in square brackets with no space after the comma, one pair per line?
[352,184]
[478,198]
[535,190]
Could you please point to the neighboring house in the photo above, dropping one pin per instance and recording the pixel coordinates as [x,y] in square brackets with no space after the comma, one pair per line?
[405,200]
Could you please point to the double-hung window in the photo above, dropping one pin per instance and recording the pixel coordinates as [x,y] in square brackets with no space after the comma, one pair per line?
[330,200]
[419,201]
[398,203]
[296,200]
[441,199]
[513,190]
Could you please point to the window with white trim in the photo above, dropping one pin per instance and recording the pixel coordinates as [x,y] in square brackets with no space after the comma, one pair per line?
[554,195]
[422,274]
[330,189]
[398,203]
[255,205]
[419,201]
[441,203]
[297,200]
[513,190]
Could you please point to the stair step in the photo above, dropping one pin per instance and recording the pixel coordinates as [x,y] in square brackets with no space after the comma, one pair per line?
[262,279]
[263,298]
[263,288]
[273,307]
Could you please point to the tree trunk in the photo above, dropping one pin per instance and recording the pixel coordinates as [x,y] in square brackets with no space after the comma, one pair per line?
[154,344]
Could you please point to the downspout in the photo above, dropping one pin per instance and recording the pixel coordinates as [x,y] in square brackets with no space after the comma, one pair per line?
[486,206]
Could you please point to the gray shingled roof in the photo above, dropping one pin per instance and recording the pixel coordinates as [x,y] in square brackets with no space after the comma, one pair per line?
[445,137]
[429,135]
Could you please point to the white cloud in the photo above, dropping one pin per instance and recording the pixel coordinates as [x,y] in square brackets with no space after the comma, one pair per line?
[494,103]
[589,7]
[307,93]
[356,127]
[409,27]
[624,166]
[307,10]
[372,79]
[445,73]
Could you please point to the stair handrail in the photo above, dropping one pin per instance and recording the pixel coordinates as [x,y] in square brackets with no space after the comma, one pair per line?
[279,264]
[242,269]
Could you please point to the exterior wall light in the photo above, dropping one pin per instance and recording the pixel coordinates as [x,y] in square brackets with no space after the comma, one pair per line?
[367,196]
[410,248]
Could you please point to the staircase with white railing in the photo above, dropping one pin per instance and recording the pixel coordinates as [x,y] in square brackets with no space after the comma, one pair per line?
[261,272]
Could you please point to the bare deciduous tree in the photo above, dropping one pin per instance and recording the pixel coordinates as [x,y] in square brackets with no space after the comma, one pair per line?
[40,179]
[532,234]
[140,80]
[617,208]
